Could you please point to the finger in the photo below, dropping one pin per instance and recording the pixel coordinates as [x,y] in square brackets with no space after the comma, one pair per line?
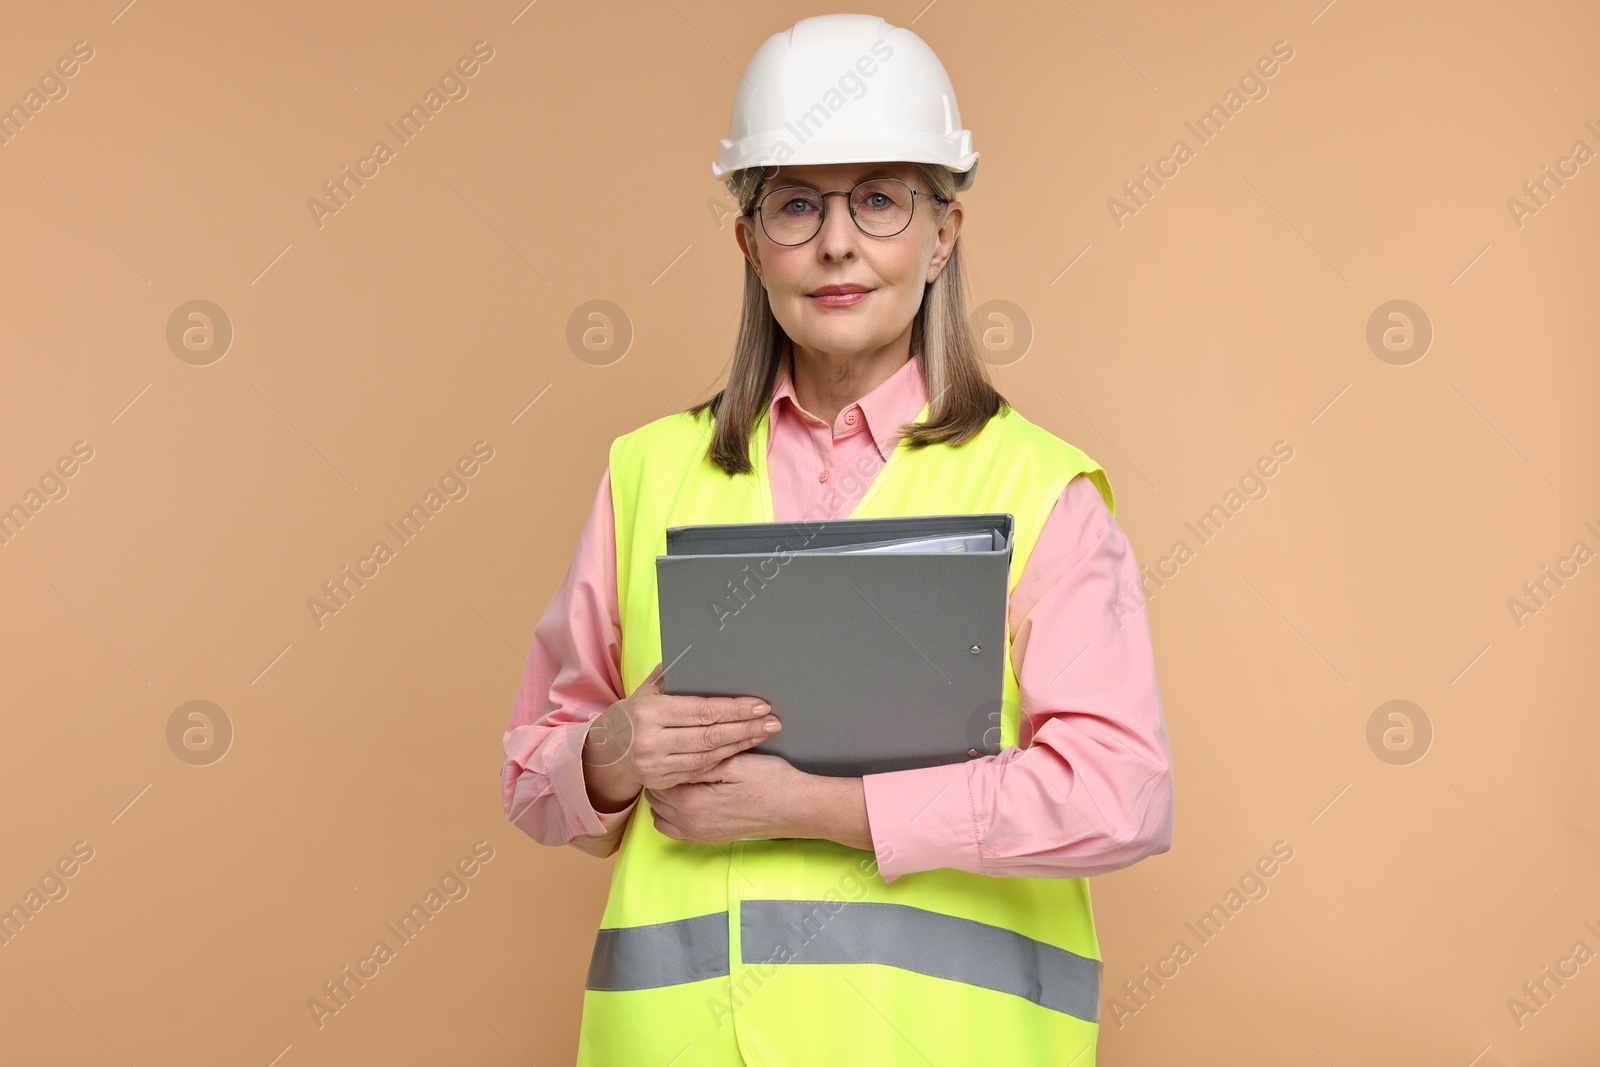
[658,807]
[671,822]
[683,828]
[705,770]
[697,762]
[697,740]
[704,711]
[716,772]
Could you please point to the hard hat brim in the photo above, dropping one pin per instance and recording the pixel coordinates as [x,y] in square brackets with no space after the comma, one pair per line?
[761,151]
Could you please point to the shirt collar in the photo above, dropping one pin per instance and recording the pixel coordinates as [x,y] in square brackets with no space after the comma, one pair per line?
[898,399]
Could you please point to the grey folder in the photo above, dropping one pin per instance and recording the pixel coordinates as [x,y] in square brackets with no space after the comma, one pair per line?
[873,661]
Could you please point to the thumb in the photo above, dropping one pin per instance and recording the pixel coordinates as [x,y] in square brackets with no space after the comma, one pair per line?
[655,682]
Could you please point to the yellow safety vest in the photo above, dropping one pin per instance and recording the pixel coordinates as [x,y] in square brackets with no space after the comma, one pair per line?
[796,951]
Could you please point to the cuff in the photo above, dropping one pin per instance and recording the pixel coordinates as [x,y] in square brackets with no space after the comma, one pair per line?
[565,770]
[566,779]
[613,819]
[604,844]
[922,819]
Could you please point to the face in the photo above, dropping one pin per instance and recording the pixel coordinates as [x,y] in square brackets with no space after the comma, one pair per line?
[893,270]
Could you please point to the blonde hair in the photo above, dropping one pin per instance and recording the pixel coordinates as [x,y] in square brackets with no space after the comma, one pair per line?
[961,397]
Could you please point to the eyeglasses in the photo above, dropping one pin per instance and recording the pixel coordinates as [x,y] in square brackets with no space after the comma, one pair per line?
[881,207]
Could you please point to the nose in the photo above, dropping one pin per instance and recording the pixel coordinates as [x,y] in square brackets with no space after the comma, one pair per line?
[839,234]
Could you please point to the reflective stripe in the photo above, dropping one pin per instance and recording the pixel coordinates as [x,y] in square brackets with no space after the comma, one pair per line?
[807,931]
[927,942]
[658,954]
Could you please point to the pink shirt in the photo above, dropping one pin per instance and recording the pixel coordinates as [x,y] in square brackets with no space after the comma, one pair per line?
[1088,791]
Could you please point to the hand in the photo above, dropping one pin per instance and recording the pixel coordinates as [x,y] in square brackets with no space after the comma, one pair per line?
[746,795]
[654,741]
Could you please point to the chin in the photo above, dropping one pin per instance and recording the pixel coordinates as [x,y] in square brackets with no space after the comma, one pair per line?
[837,340]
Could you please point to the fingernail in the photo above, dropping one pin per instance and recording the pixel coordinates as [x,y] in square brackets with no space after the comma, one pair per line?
[760,709]
[772,726]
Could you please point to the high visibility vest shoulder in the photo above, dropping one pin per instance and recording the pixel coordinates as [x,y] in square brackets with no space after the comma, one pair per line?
[796,951]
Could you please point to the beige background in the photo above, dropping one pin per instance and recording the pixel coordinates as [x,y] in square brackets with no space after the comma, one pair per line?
[433,309]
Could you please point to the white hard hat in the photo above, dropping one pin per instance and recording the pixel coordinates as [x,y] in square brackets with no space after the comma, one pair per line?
[845,89]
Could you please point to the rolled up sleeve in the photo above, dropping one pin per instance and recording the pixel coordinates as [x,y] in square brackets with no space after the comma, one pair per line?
[572,674]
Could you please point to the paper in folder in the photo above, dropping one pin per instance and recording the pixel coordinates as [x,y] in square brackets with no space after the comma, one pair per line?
[879,643]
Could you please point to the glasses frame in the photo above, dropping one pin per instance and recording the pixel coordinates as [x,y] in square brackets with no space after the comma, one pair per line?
[849,195]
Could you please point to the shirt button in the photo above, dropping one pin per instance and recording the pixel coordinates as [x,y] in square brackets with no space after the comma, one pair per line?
[850,417]
[822,477]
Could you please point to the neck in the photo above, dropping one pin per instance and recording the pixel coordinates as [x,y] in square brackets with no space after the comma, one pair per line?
[826,383]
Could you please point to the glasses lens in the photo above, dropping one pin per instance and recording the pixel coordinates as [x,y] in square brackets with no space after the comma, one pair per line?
[791,215]
[882,207]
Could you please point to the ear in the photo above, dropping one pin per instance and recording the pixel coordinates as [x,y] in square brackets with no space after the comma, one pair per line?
[945,238]
[744,233]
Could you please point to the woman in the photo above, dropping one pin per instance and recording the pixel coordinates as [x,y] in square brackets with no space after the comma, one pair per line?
[758,914]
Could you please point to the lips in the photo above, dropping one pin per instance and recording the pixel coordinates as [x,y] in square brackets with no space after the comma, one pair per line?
[838,296]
